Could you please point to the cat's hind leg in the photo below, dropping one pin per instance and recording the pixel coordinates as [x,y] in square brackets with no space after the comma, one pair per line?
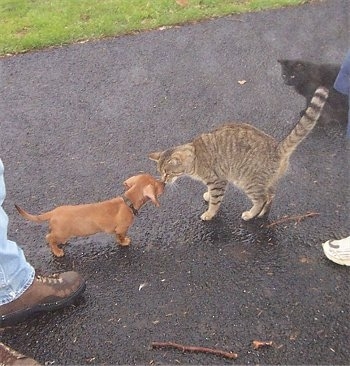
[214,195]
[267,206]
[261,201]
[254,211]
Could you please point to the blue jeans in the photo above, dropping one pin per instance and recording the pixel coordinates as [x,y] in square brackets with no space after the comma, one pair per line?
[342,84]
[16,274]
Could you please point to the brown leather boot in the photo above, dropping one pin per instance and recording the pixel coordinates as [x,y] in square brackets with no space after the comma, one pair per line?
[45,294]
[8,356]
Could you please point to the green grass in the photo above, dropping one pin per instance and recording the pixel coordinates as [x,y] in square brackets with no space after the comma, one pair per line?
[32,24]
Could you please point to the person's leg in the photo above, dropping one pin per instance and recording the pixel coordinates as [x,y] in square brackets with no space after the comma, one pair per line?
[342,84]
[16,274]
[348,128]
[22,294]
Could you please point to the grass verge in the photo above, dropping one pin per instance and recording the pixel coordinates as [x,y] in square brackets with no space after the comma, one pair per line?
[33,24]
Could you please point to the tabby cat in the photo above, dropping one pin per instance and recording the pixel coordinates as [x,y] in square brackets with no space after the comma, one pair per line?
[306,77]
[241,154]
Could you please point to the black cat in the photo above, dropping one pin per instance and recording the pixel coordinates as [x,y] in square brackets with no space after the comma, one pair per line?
[306,77]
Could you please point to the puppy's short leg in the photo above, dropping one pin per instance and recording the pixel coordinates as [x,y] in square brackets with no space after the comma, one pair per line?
[53,242]
[123,240]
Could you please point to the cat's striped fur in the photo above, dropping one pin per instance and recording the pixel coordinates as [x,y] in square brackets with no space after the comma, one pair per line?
[241,154]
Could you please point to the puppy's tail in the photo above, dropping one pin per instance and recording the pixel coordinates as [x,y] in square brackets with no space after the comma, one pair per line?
[36,218]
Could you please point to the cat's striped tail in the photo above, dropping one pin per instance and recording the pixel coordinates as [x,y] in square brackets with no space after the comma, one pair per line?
[306,123]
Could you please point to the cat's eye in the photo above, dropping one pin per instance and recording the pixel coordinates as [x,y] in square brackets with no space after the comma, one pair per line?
[173,162]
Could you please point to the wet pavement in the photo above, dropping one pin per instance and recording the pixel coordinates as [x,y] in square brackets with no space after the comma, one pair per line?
[77,121]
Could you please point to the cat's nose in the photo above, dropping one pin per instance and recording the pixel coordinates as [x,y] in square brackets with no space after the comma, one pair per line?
[164,178]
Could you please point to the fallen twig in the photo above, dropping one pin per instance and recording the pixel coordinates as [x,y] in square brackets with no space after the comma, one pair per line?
[297,218]
[183,348]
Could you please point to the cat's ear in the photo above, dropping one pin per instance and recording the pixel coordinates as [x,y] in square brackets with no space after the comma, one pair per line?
[155,155]
[150,192]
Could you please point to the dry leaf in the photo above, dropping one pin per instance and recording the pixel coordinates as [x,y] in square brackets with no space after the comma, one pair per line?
[242,82]
[294,335]
[182,2]
[305,260]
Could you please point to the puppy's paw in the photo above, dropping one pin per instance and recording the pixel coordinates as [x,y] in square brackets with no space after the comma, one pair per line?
[57,252]
[125,242]
[207,216]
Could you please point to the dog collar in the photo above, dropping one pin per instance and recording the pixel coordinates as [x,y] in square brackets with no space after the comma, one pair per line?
[130,204]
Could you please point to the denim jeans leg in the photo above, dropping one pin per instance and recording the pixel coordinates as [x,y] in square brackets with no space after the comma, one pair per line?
[342,84]
[348,128]
[16,274]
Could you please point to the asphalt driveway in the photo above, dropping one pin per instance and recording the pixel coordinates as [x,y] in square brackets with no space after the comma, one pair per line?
[76,121]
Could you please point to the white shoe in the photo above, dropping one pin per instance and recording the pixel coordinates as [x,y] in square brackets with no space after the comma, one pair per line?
[338,251]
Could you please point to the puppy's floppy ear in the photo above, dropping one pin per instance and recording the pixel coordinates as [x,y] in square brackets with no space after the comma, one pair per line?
[130,182]
[155,155]
[151,192]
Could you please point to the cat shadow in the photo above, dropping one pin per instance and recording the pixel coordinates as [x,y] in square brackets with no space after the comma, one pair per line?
[255,231]
[243,243]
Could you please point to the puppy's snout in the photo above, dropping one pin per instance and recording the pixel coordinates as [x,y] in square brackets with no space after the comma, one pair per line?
[161,186]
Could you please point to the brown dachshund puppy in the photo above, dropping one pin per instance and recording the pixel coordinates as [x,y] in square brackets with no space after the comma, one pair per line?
[112,216]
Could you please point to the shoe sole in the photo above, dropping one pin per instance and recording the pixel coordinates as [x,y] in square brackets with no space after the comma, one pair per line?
[20,316]
[342,262]
[337,260]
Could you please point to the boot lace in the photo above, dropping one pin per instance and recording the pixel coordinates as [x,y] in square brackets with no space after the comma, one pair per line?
[50,280]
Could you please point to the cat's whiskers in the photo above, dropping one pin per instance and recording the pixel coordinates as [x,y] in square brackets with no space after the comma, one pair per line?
[173,184]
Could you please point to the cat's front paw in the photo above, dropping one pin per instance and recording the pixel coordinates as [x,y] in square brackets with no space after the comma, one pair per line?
[247,215]
[206,216]
[206,196]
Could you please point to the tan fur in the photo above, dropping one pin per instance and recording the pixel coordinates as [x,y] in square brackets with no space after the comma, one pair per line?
[113,216]
[241,154]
